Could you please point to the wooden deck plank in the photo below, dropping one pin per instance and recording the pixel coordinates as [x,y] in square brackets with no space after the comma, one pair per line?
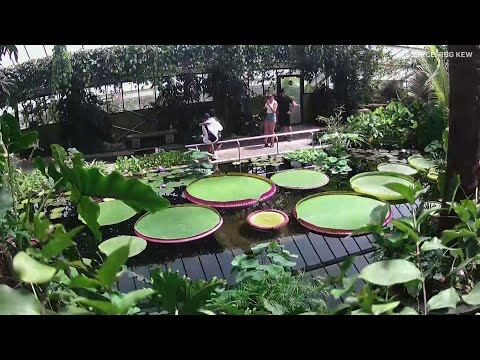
[143,271]
[177,265]
[321,247]
[350,245]
[290,246]
[404,209]
[225,260]
[334,270]
[211,266]
[369,257]
[126,283]
[193,268]
[395,212]
[363,242]
[306,250]
[335,244]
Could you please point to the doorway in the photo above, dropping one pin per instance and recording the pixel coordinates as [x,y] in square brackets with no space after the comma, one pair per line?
[293,85]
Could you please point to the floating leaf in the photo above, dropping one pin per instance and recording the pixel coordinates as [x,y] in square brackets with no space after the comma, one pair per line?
[136,245]
[107,274]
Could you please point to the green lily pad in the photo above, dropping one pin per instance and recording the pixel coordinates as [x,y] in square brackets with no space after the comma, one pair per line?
[300,179]
[113,212]
[267,219]
[397,168]
[373,183]
[229,188]
[336,212]
[178,223]
[420,163]
[137,245]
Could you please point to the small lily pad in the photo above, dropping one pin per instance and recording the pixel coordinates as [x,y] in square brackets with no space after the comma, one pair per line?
[56,215]
[137,245]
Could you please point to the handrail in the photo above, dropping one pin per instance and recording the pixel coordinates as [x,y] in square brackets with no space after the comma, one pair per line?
[311,132]
[259,137]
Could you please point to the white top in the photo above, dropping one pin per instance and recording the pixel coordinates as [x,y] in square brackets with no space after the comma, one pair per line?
[213,126]
[271,107]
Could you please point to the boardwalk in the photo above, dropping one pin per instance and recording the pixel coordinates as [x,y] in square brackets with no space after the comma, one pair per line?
[318,255]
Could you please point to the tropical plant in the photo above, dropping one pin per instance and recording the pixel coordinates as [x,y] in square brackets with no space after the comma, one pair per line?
[391,126]
[337,163]
[147,162]
[430,80]
[270,289]
[307,156]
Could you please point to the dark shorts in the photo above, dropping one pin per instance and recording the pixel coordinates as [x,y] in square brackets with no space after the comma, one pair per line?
[284,120]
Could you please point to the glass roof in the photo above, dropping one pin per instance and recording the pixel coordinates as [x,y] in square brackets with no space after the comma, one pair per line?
[28,52]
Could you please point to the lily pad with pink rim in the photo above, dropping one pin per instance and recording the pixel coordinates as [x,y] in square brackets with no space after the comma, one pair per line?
[268,219]
[398,168]
[230,190]
[374,184]
[421,163]
[338,213]
[300,179]
[179,223]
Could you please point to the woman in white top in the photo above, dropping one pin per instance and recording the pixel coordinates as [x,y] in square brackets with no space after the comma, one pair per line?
[210,129]
[270,121]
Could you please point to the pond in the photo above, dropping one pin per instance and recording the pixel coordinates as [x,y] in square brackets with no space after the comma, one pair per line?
[235,233]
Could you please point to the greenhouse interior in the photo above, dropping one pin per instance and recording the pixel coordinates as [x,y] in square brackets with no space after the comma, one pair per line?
[239,180]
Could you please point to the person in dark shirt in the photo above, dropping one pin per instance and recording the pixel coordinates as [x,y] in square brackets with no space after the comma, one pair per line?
[285,106]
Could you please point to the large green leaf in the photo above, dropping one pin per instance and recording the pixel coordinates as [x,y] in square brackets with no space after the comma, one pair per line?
[444,299]
[89,211]
[384,308]
[139,196]
[434,244]
[132,298]
[32,271]
[473,297]
[13,137]
[390,272]
[105,307]
[107,274]
[405,227]
[449,235]
[408,192]
[18,302]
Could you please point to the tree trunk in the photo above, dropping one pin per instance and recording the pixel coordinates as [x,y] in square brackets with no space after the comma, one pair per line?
[464,118]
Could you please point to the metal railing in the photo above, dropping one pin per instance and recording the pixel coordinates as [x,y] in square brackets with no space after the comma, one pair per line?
[312,132]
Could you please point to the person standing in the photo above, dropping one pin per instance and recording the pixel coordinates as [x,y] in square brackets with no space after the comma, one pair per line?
[270,120]
[285,107]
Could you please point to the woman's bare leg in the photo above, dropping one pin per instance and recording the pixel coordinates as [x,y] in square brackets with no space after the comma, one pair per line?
[272,132]
[266,131]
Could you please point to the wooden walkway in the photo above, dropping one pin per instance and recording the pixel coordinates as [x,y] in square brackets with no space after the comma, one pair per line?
[318,255]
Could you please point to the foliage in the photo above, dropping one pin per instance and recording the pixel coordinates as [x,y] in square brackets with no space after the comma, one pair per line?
[438,267]
[307,156]
[181,296]
[29,183]
[337,164]
[430,81]
[430,122]
[392,125]
[166,159]
[270,289]
[84,183]
[61,69]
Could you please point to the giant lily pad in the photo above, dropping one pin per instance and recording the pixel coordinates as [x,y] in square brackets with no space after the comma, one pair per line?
[230,190]
[300,179]
[269,219]
[337,213]
[397,168]
[180,223]
[373,183]
[420,163]
[113,212]
[137,245]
